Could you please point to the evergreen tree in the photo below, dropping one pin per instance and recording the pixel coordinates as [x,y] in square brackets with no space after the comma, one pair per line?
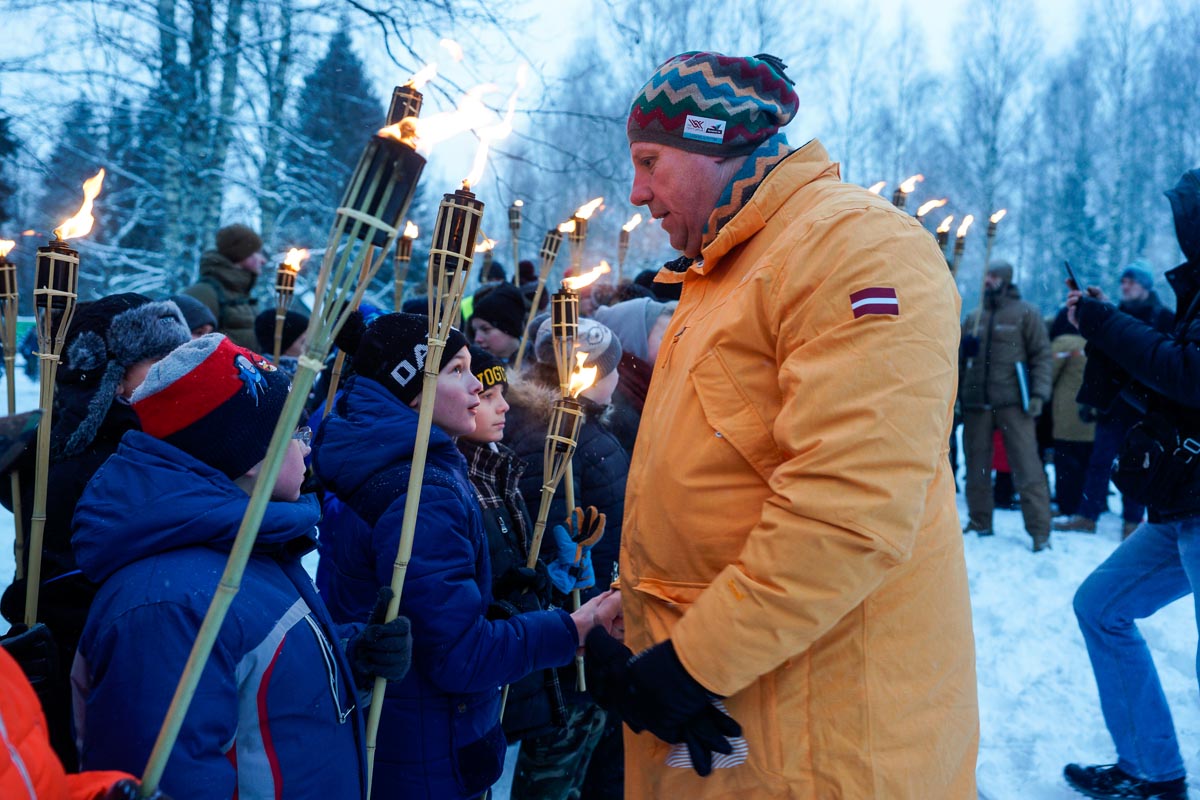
[9,144]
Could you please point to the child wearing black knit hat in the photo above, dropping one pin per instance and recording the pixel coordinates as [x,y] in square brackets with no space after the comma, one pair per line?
[497,320]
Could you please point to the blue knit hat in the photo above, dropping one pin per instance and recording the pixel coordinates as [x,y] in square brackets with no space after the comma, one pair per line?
[1139,272]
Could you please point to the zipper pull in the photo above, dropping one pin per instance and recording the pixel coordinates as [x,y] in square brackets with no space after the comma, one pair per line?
[674,341]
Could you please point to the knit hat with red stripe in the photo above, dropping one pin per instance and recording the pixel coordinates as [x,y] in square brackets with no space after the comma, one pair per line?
[713,104]
[215,401]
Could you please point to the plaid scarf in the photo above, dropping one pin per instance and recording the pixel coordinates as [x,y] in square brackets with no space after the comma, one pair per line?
[495,473]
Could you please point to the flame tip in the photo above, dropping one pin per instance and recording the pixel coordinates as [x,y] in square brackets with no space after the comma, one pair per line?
[410,230]
[6,246]
[966,224]
[81,223]
[999,215]
[586,210]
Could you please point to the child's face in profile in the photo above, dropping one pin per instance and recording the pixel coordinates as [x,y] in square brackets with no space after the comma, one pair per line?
[457,397]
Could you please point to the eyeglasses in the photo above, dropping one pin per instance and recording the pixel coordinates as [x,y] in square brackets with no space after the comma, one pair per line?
[303,435]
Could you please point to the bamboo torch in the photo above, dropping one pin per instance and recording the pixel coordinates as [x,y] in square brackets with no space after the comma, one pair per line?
[929,205]
[578,234]
[993,221]
[900,196]
[367,221]
[8,328]
[549,253]
[55,290]
[285,290]
[404,247]
[943,236]
[514,226]
[877,188]
[960,244]
[623,244]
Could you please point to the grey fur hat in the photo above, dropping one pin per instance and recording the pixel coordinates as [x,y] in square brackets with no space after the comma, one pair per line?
[106,337]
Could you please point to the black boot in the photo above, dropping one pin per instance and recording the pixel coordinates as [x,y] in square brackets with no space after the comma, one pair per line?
[1110,782]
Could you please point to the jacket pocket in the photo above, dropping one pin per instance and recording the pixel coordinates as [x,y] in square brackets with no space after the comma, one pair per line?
[478,758]
[732,413]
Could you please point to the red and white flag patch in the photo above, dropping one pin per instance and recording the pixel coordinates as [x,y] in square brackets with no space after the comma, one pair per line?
[876,300]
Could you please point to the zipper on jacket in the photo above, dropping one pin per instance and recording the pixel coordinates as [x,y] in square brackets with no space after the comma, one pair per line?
[674,341]
[19,763]
[331,669]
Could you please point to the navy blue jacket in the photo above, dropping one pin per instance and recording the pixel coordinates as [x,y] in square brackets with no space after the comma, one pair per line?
[155,527]
[440,734]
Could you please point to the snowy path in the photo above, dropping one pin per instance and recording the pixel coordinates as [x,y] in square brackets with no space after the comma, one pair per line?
[1038,703]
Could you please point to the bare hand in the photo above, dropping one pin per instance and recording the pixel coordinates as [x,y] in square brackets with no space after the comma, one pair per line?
[611,615]
[590,615]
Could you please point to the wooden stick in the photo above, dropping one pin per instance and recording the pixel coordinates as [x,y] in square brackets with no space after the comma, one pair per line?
[10,361]
[37,521]
[335,376]
[280,316]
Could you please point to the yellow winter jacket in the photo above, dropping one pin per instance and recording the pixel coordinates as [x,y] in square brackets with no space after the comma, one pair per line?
[790,516]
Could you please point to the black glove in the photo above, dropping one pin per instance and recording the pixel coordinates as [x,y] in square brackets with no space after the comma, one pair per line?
[382,649]
[37,653]
[130,789]
[652,691]
[523,580]
[970,346]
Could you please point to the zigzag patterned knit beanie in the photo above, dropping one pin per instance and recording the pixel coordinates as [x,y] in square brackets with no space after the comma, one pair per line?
[713,104]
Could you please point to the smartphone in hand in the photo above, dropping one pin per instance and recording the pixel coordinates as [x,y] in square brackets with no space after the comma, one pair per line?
[1072,281]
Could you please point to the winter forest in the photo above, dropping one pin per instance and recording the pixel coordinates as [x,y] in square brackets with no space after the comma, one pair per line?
[205,112]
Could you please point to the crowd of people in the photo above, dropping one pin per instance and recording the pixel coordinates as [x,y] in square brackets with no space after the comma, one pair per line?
[761,572]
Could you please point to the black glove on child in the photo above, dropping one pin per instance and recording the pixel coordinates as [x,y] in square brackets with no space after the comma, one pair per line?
[652,691]
[130,789]
[382,649]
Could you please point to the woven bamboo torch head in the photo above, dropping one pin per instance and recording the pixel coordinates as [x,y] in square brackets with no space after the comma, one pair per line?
[454,235]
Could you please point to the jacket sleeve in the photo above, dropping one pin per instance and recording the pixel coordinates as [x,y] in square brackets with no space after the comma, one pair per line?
[862,432]
[1155,359]
[1037,350]
[133,665]
[454,644]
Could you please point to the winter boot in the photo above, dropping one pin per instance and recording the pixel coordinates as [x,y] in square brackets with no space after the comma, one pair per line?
[1077,524]
[1110,782]
[973,528]
[1041,543]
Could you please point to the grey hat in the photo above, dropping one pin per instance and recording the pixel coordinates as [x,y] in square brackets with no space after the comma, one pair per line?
[603,348]
[632,322]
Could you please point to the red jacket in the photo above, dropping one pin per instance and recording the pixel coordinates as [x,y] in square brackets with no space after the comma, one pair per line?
[28,766]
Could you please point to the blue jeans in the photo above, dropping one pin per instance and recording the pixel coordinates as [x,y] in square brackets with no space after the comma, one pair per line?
[1154,567]
[1109,435]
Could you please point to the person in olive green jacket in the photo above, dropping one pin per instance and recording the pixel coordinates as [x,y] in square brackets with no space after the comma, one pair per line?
[227,278]
[1004,381]
[1073,435]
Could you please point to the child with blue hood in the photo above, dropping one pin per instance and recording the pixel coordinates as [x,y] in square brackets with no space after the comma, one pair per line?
[154,528]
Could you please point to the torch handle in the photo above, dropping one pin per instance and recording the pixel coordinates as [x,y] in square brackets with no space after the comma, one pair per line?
[533,310]
[37,522]
[400,276]
[280,316]
[516,253]
[10,362]
[335,377]
[408,527]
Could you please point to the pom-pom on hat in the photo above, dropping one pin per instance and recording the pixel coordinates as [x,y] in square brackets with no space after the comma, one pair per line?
[487,368]
[215,401]
[238,242]
[603,349]
[391,350]
[713,104]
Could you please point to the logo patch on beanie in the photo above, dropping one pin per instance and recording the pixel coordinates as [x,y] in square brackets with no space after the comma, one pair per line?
[704,129]
[404,372]
[251,378]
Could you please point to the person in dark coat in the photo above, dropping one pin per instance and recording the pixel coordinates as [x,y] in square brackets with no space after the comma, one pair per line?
[226,286]
[154,528]
[640,325]
[110,344]
[1140,301]
[440,734]
[1159,464]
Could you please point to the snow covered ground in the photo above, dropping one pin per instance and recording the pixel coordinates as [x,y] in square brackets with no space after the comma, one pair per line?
[1037,697]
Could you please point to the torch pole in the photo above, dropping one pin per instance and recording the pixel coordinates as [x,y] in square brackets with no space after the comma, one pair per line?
[379,193]
[550,245]
[9,300]
[450,257]
[335,377]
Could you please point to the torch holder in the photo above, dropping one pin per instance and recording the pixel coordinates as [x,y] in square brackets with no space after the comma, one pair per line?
[9,299]
[404,248]
[549,253]
[959,245]
[514,225]
[622,251]
[450,256]
[406,102]
[285,290]
[562,434]
[578,236]
[564,327]
[381,190]
[899,198]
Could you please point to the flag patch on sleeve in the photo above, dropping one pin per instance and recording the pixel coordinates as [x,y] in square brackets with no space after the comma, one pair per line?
[876,300]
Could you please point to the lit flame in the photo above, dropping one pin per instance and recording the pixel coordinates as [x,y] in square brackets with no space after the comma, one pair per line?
[294,258]
[586,210]
[30,232]
[519,203]
[494,133]
[410,230]
[81,223]
[567,227]
[911,183]
[999,215]
[453,48]
[876,188]
[587,278]
[634,221]
[485,245]
[945,226]
[470,113]
[930,205]
[423,76]
[6,245]
[966,223]
[583,377]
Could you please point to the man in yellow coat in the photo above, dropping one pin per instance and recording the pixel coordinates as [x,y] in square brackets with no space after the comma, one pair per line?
[791,552]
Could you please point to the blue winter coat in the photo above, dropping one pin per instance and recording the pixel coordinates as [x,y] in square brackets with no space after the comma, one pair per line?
[440,734]
[275,712]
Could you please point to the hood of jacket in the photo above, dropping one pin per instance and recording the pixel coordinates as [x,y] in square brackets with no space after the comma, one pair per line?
[370,429]
[1185,205]
[151,497]
[235,279]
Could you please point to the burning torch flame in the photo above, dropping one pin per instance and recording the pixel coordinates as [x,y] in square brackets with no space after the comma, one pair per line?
[81,223]
[470,113]
[410,230]
[494,133]
[587,278]
[634,221]
[453,48]
[876,188]
[999,215]
[485,245]
[294,258]
[930,205]
[945,226]
[519,203]
[966,223]
[5,246]
[583,377]
[423,76]
[911,183]
[567,227]
[586,210]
